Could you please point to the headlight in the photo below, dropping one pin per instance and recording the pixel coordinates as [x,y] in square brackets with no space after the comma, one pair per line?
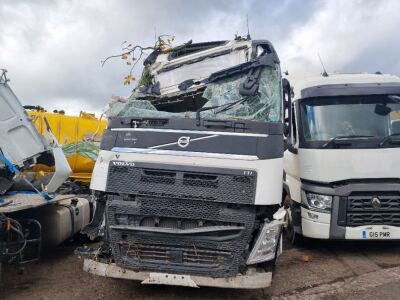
[266,243]
[319,201]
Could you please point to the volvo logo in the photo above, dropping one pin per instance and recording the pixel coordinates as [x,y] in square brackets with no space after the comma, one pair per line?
[184,141]
[123,163]
[375,202]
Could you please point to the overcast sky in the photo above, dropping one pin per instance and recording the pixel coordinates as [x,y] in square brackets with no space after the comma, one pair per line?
[53,49]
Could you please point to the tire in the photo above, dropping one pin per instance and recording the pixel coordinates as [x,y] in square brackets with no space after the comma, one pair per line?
[296,239]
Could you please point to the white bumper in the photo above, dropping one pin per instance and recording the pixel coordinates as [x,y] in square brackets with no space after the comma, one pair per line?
[314,224]
[252,280]
[317,225]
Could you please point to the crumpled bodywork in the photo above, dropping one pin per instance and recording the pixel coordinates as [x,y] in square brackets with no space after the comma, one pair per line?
[180,179]
[19,140]
[201,76]
[265,106]
[21,145]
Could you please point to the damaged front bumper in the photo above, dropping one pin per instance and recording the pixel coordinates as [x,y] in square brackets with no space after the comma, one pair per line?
[253,279]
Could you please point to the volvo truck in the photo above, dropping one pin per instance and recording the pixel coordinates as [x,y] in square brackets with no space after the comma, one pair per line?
[189,175]
[342,165]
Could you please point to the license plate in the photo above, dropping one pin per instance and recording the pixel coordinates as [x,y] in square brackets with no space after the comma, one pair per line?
[369,234]
[170,279]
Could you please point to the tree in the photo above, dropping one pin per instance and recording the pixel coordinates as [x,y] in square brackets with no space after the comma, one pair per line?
[132,54]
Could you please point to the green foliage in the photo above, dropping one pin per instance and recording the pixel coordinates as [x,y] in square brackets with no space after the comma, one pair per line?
[147,78]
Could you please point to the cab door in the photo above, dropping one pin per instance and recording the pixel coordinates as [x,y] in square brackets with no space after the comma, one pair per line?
[19,139]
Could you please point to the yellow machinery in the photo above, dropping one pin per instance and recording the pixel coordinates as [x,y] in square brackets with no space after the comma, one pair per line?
[79,137]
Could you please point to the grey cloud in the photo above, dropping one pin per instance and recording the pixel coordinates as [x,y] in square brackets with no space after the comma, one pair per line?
[53,49]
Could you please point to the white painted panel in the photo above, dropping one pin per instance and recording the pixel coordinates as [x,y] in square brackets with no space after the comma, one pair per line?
[328,165]
[269,172]
[315,230]
[19,139]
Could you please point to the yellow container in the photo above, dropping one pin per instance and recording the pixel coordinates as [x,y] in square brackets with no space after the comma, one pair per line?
[79,137]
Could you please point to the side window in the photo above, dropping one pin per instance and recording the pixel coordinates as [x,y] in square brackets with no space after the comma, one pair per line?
[394,117]
[294,127]
[395,127]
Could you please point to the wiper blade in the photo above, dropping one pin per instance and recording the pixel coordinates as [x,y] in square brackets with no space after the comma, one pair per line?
[389,138]
[225,106]
[240,101]
[345,137]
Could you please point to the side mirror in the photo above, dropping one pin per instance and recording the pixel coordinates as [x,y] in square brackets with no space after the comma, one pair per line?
[287,105]
[382,109]
[287,95]
[287,115]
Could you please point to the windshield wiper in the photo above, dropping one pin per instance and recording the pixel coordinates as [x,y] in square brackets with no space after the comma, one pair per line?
[389,138]
[225,106]
[345,137]
[240,101]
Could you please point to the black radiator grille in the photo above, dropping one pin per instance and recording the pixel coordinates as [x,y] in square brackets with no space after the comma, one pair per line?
[168,222]
[219,185]
[359,219]
[179,235]
[382,208]
[175,255]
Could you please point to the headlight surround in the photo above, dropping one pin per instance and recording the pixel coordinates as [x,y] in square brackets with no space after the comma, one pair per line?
[318,201]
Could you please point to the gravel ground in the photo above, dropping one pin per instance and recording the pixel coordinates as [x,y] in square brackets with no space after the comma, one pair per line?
[320,270]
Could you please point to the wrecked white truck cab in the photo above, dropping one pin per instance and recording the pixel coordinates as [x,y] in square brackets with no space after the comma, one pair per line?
[189,176]
[21,144]
[31,213]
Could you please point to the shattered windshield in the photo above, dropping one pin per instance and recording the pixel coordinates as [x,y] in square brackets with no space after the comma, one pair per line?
[265,106]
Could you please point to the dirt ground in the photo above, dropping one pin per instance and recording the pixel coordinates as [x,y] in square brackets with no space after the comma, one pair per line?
[334,271]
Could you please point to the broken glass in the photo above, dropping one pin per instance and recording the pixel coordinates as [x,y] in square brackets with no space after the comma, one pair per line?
[265,106]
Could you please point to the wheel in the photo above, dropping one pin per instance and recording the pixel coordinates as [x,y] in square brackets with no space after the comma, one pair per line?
[295,238]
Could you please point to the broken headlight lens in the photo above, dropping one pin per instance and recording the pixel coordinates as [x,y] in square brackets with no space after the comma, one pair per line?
[267,242]
[318,201]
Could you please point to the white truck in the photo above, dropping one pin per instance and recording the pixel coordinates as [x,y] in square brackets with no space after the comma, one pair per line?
[32,215]
[342,166]
[189,176]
